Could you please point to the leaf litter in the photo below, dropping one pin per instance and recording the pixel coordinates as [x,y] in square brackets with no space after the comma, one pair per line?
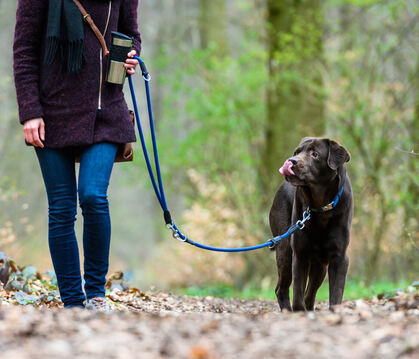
[163,325]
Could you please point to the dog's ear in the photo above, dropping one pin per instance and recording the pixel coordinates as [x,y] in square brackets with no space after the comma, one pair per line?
[337,155]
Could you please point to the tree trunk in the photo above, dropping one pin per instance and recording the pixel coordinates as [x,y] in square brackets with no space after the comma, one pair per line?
[295,107]
[212,25]
[414,140]
[411,221]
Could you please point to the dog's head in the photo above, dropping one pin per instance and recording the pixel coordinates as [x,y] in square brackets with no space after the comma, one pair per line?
[315,161]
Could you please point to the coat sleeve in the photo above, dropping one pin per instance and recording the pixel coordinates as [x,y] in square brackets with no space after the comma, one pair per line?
[30,21]
[128,22]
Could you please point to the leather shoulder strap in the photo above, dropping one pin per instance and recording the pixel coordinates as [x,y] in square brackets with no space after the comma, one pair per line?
[87,18]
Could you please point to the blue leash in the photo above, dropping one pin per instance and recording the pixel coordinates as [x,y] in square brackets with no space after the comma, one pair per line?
[159,190]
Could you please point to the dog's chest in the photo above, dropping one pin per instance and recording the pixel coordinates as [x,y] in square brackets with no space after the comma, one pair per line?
[319,225]
[319,237]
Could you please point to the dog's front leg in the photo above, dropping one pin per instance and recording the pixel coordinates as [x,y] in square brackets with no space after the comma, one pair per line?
[338,267]
[338,263]
[300,266]
[317,272]
[284,265]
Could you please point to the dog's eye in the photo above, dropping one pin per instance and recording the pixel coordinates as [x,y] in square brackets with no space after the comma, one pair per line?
[315,154]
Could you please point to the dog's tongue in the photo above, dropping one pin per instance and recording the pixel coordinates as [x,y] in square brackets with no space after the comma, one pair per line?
[286,170]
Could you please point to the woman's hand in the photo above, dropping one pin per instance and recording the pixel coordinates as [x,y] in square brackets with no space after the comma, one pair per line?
[33,129]
[130,63]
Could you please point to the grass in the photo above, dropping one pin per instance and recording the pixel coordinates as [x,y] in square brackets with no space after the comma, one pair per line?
[354,289]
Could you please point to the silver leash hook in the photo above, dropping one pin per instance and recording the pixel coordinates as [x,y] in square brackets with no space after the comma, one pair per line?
[175,233]
[306,215]
[300,224]
[179,237]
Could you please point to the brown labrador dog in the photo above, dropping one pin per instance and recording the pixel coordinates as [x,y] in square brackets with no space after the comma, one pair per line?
[314,177]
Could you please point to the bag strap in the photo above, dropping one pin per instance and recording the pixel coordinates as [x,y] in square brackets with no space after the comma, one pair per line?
[87,18]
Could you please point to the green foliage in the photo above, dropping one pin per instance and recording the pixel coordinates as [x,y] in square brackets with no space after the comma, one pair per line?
[216,107]
[354,289]
[371,109]
[364,3]
[355,56]
[222,115]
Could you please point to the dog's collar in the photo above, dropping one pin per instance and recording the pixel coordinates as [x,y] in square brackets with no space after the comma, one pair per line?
[331,205]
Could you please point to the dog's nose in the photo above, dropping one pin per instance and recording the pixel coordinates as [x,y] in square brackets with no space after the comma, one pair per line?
[293,160]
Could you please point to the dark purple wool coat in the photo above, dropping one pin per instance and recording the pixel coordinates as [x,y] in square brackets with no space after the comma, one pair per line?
[78,109]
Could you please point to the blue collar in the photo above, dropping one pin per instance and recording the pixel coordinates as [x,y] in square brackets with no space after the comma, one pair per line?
[331,205]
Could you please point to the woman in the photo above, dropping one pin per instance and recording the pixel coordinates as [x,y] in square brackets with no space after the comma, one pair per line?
[67,108]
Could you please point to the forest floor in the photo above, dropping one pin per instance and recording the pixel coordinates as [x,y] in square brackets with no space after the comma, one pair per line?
[33,324]
[159,325]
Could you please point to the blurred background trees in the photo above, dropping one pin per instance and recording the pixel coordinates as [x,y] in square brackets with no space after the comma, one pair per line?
[295,95]
[236,84]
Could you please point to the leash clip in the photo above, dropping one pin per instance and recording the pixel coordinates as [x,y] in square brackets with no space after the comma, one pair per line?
[306,216]
[300,224]
[274,241]
[175,232]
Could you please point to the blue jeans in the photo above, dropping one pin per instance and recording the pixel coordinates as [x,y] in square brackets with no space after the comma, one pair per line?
[58,171]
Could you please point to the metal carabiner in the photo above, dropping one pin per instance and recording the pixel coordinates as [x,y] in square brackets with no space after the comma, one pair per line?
[300,224]
[175,233]
[179,237]
[306,215]
[273,244]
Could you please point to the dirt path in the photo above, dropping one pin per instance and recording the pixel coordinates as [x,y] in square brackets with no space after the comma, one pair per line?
[145,325]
